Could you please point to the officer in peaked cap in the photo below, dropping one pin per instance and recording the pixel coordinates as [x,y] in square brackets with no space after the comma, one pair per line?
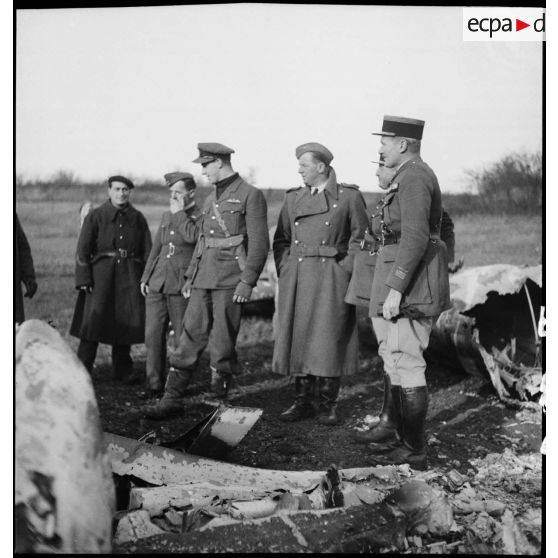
[410,289]
[211,151]
[112,249]
[163,278]
[314,245]
[230,255]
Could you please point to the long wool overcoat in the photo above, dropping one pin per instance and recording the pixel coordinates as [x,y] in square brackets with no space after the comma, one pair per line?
[112,249]
[314,246]
[414,259]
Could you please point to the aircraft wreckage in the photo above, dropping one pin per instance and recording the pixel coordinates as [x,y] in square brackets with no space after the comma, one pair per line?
[79,490]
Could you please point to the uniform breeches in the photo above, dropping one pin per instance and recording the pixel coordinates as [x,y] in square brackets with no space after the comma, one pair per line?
[160,308]
[211,320]
[401,345]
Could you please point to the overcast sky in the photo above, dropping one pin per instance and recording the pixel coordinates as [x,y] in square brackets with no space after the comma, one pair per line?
[132,90]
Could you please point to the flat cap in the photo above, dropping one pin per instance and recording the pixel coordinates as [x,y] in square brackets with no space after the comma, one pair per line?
[402,127]
[123,179]
[211,151]
[173,177]
[321,150]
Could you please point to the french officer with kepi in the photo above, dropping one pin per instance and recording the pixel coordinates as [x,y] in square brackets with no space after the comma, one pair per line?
[230,255]
[317,235]
[410,287]
[163,278]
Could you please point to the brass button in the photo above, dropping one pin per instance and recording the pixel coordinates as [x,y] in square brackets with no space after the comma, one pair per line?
[296,223]
[213,216]
[121,237]
[323,259]
[168,255]
[340,191]
[334,205]
[211,231]
[236,257]
[327,223]
[299,259]
[297,241]
[323,241]
[172,232]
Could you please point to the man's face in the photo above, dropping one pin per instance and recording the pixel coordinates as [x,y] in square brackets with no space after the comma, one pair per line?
[384,175]
[211,171]
[389,151]
[179,192]
[309,169]
[119,193]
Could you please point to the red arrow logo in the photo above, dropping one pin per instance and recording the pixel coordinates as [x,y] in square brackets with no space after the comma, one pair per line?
[519,25]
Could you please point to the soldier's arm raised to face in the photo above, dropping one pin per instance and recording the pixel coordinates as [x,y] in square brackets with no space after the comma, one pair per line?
[86,243]
[187,228]
[282,238]
[257,235]
[415,198]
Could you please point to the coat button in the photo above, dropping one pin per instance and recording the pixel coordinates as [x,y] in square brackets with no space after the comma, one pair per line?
[299,259]
[121,237]
[211,231]
[120,224]
[340,191]
[327,223]
[168,255]
[117,261]
[323,259]
[334,205]
[296,223]
[297,241]
[323,241]
[172,232]
[213,216]
[236,257]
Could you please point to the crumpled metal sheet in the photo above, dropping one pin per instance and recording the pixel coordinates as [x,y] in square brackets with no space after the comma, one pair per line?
[471,286]
[64,493]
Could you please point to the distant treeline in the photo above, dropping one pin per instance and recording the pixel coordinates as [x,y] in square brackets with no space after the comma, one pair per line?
[513,185]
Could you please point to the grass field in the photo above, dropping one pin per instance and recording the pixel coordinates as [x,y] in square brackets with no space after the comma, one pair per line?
[52,229]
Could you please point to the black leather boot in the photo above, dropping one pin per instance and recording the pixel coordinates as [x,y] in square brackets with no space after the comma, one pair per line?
[412,450]
[303,406]
[171,403]
[385,433]
[329,392]
[220,383]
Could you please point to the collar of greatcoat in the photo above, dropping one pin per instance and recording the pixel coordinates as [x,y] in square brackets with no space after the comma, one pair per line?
[307,204]
[112,211]
[406,164]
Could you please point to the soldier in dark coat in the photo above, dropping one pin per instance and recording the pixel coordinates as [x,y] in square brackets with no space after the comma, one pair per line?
[113,246]
[410,287]
[314,247]
[163,278]
[24,271]
[230,255]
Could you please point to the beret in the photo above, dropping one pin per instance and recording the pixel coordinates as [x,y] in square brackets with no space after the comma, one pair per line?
[327,155]
[123,179]
[402,127]
[211,151]
[173,177]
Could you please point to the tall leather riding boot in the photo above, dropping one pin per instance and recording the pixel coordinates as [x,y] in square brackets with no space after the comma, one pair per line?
[386,433]
[171,403]
[412,450]
[303,406]
[329,392]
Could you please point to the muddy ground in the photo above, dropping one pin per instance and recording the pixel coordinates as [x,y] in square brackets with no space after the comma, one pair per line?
[466,421]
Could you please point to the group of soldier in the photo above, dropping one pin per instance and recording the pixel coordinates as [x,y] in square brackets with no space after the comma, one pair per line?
[330,255]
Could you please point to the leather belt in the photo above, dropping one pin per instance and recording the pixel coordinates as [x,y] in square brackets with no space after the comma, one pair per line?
[315,251]
[119,253]
[228,242]
[173,249]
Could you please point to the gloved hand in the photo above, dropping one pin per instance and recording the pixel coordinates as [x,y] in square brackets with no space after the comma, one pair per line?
[242,292]
[30,288]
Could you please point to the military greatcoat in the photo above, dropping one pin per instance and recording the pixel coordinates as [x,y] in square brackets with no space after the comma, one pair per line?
[112,250]
[314,246]
[413,259]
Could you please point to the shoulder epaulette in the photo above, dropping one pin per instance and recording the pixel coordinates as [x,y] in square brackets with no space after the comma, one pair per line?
[293,189]
[353,186]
